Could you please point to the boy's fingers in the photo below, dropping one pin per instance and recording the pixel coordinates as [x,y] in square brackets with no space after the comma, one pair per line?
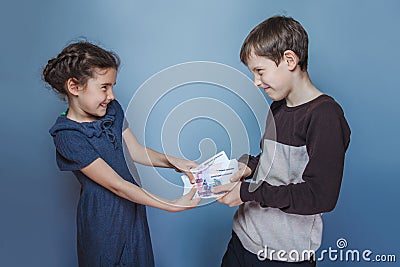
[236,176]
[241,173]
[222,188]
[219,199]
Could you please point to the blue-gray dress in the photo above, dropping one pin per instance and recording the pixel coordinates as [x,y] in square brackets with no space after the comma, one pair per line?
[111,231]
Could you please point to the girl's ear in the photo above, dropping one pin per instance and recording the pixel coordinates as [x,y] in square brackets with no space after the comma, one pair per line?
[72,85]
[291,59]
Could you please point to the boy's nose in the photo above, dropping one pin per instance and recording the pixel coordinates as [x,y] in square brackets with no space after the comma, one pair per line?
[257,82]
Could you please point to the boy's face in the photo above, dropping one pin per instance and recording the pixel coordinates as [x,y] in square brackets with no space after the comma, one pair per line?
[275,80]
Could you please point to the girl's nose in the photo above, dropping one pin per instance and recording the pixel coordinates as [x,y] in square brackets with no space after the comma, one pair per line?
[110,95]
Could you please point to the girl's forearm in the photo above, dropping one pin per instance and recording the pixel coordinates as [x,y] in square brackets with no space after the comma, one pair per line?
[158,160]
[142,154]
[100,172]
[139,195]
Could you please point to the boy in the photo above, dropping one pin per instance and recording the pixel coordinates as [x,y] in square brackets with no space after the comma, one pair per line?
[300,168]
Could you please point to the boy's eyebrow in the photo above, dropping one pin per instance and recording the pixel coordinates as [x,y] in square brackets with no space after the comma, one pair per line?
[256,68]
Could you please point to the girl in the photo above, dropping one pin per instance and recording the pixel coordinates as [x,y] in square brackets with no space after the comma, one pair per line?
[112,226]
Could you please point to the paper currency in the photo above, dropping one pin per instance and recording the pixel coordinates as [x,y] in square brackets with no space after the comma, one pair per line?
[215,171]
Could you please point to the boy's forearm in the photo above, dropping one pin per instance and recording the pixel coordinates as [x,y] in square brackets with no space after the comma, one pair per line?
[250,161]
[293,198]
[317,194]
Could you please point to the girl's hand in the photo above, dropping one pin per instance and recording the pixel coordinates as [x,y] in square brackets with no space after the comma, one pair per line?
[183,165]
[186,202]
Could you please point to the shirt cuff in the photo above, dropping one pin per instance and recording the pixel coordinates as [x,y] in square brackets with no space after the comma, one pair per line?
[250,162]
[245,195]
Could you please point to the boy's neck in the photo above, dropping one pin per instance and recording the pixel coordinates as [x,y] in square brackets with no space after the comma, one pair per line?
[303,90]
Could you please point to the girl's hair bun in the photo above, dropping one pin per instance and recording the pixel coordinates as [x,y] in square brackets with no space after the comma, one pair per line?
[77,60]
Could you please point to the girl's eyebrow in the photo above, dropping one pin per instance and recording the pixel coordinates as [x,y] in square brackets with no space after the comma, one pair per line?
[109,84]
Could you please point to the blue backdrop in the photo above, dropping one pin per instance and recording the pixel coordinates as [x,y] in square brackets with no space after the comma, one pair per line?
[353,57]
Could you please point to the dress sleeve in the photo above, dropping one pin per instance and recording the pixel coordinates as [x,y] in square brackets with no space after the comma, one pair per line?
[327,139]
[73,150]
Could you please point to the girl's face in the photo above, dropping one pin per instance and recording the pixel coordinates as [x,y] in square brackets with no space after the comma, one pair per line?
[94,96]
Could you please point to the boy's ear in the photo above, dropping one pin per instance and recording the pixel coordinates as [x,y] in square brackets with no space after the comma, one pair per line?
[72,86]
[291,59]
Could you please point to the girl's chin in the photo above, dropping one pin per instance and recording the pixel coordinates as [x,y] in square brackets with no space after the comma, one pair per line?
[101,114]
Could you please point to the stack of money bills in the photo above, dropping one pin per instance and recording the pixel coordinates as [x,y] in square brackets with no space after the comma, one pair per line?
[215,171]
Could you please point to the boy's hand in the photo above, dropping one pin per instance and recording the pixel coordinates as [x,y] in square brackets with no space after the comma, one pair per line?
[232,196]
[243,172]
[183,165]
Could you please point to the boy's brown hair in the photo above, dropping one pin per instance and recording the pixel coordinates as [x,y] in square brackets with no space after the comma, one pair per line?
[272,37]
